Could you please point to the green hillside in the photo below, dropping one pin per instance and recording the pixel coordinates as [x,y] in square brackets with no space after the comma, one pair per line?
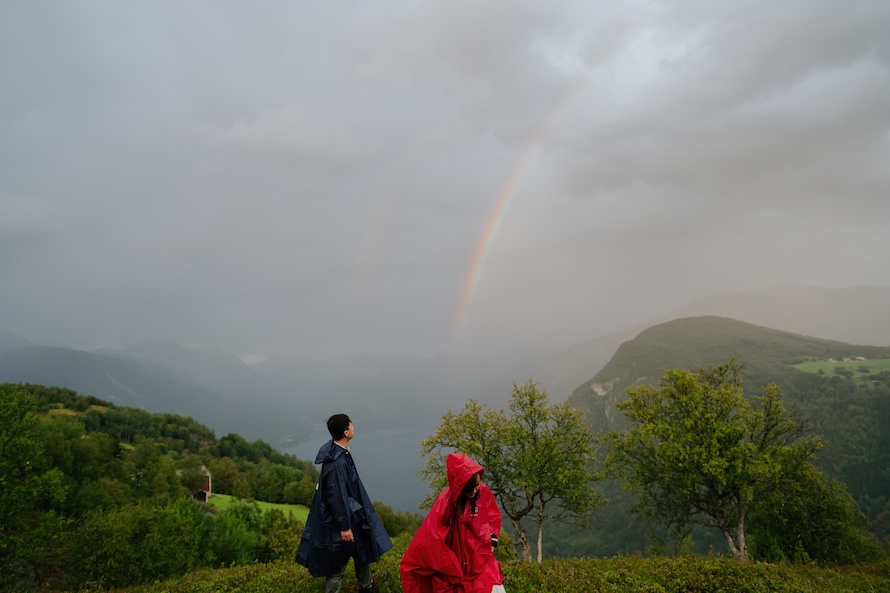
[767,355]
[847,404]
[145,384]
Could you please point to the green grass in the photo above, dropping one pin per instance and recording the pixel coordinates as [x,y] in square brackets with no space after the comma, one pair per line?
[630,574]
[224,501]
[861,369]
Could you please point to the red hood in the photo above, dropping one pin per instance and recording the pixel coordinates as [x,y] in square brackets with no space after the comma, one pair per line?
[460,469]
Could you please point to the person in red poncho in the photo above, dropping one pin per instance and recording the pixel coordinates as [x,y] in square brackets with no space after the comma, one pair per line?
[453,551]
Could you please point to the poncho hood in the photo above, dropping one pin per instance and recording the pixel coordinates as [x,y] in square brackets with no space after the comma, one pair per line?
[330,451]
[460,469]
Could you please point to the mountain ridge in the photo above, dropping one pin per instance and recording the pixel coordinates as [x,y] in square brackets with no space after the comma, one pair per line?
[766,354]
[857,315]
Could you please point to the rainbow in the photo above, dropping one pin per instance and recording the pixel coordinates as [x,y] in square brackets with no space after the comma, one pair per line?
[487,239]
[505,196]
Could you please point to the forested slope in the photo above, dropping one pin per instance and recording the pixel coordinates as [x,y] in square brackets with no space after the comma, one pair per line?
[97,492]
[850,411]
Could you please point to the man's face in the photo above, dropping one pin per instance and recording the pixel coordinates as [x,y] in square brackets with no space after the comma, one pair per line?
[349,432]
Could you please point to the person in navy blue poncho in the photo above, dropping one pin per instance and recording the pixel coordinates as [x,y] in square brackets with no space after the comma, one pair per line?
[342,522]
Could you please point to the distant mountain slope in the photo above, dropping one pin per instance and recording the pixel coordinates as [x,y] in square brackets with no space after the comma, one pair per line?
[857,315]
[559,373]
[851,416]
[766,354]
[10,340]
[223,374]
[131,382]
[121,382]
[307,378]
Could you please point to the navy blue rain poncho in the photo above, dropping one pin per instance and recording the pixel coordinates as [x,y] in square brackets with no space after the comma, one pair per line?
[340,502]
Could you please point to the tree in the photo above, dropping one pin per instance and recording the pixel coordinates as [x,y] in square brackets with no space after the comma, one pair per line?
[228,479]
[537,458]
[281,536]
[699,452]
[137,543]
[812,518]
[152,473]
[237,537]
[28,485]
[396,523]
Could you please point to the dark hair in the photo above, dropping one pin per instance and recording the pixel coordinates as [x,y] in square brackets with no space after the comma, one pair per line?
[466,495]
[337,425]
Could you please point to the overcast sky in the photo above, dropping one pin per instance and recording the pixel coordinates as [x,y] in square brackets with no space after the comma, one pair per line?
[315,177]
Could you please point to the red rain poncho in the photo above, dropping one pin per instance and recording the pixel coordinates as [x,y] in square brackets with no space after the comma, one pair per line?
[455,556]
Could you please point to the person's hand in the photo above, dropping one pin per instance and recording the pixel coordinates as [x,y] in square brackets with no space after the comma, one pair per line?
[347,536]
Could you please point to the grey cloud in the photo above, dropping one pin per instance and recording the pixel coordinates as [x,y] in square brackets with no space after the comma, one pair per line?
[319,177]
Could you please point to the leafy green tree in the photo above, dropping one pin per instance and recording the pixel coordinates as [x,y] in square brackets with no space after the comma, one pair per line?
[228,479]
[237,536]
[698,451]
[300,492]
[138,543]
[281,535]
[396,523]
[29,486]
[811,518]
[90,462]
[538,458]
[272,480]
[152,473]
[102,493]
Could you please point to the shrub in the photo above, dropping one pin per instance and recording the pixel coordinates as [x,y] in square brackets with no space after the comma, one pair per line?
[136,544]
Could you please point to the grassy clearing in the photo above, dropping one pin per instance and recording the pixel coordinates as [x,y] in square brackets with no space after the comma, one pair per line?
[59,411]
[860,369]
[224,501]
[691,574]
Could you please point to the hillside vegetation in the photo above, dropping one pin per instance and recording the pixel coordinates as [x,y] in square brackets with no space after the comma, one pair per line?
[833,406]
[624,574]
[768,355]
[850,411]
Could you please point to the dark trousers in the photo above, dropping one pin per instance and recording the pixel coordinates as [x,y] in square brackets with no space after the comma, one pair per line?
[333,583]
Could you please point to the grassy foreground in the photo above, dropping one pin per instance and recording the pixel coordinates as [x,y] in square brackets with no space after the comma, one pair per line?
[692,574]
